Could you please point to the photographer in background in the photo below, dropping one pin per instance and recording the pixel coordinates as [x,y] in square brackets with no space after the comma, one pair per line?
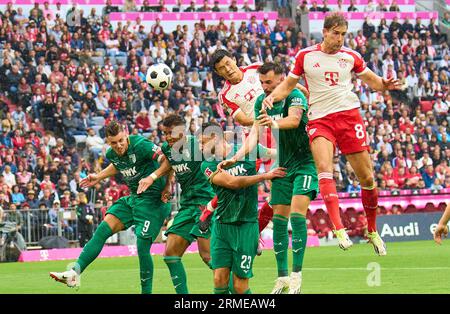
[85,214]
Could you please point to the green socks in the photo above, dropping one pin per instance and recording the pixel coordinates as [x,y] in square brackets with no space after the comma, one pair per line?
[93,248]
[299,238]
[177,273]
[281,243]
[221,290]
[145,264]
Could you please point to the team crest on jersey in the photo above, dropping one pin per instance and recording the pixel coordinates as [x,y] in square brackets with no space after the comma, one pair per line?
[132,158]
[251,80]
[342,63]
[312,131]
[208,172]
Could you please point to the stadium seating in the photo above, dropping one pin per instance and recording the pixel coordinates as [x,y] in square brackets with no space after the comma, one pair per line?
[170,20]
[321,223]
[406,201]
[404,5]
[87,5]
[355,20]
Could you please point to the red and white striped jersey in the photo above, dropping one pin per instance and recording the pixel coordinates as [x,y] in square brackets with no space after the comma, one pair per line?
[242,96]
[328,79]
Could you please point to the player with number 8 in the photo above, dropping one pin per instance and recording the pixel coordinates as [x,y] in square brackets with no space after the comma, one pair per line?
[334,119]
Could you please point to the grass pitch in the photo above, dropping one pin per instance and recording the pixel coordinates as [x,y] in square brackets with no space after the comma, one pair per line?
[409,267]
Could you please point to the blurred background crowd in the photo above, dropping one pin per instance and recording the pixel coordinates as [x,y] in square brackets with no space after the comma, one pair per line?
[56,97]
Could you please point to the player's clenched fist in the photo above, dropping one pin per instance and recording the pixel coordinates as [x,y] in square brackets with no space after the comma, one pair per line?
[91,180]
[226,163]
[440,232]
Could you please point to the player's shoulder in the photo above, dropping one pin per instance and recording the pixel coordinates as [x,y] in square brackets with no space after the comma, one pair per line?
[297,98]
[109,153]
[306,50]
[296,93]
[135,139]
[226,87]
[253,66]
[260,99]
[351,52]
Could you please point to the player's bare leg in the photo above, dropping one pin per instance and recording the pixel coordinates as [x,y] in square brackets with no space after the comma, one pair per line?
[221,280]
[204,250]
[280,247]
[240,285]
[299,208]
[323,151]
[175,248]
[363,168]
[109,226]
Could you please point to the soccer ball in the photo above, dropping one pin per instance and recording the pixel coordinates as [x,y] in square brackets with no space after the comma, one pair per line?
[159,76]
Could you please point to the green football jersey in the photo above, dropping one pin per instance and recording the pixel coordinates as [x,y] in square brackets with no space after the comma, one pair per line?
[293,144]
[235,206]
[186,162]
[137,163]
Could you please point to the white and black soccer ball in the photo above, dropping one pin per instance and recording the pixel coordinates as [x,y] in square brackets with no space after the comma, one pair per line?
[159,76]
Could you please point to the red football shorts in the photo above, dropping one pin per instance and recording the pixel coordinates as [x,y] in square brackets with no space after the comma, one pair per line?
[345,129]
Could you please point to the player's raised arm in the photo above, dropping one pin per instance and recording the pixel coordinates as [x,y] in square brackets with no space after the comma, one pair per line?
[243,119]
[249,145]
[442,229]
[94,178]
[226,180]
[292,121]
[281,92]
[378,83]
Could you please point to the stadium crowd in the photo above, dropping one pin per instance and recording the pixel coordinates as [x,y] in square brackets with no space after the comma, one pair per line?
[54,91]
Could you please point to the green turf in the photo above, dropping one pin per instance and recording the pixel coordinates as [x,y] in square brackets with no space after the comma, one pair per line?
[410,267]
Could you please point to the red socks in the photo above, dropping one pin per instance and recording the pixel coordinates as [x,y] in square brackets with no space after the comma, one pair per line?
[264,216]
[327,188]
[370,204]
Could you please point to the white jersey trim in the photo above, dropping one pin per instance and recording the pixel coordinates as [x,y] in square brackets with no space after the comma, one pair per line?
[364,71]
[236,113]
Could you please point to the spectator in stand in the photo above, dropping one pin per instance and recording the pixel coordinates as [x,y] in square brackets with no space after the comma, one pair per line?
[233,6]
[354,187]
[315,7]
[129,6]
[10,178]
[15,216]
[17,196]
[429,176]
[85,215]
[94,143]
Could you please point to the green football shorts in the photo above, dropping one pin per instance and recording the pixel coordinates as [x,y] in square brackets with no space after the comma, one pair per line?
[147,214]
[300,181]
[234,246]
[185,224]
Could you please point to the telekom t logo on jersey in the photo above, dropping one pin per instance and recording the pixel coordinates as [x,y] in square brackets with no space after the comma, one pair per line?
[332,78]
